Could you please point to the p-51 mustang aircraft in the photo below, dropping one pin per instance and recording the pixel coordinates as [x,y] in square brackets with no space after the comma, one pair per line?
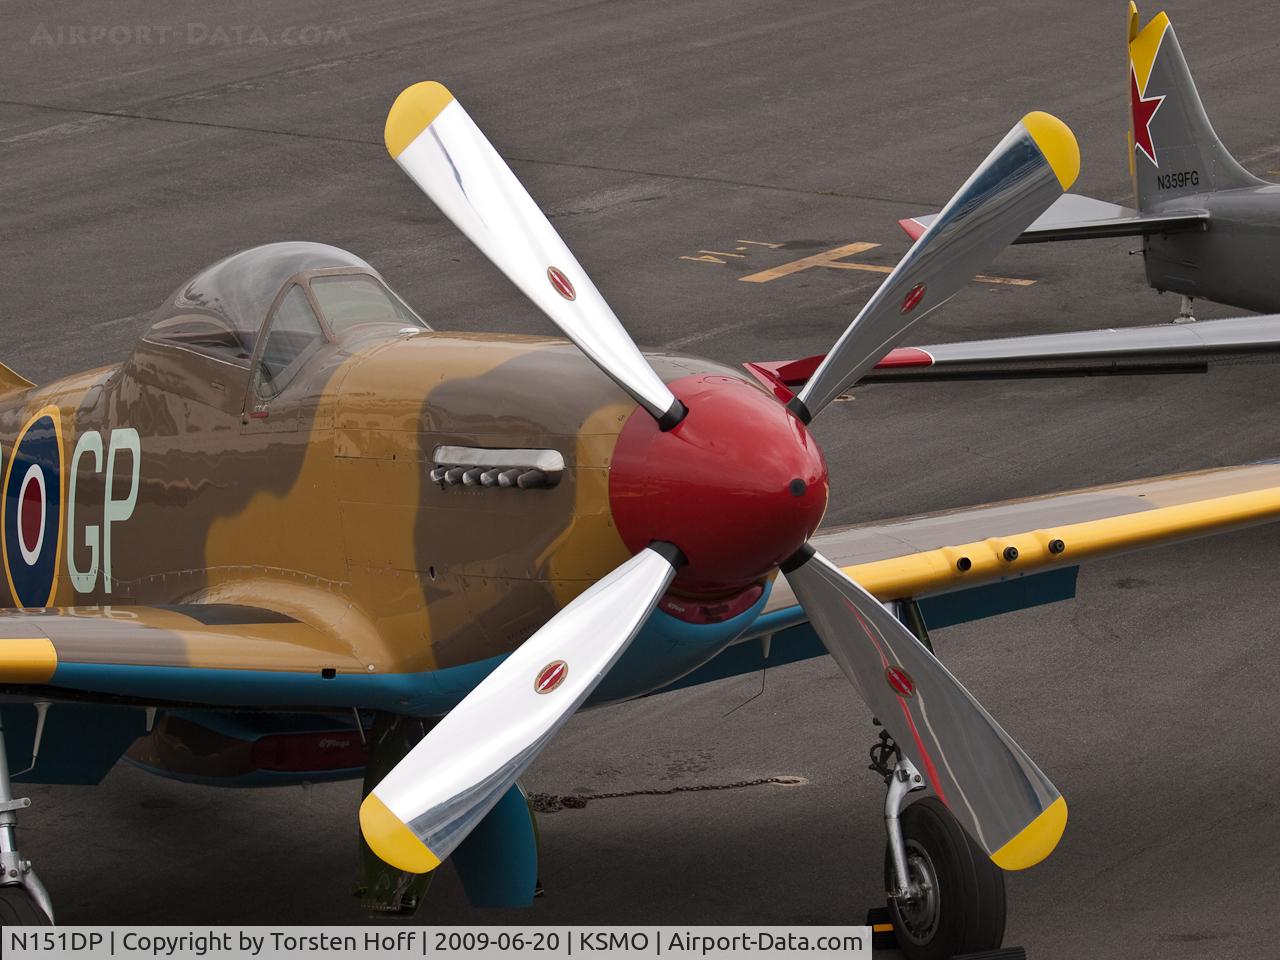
[1210,228]
[299,535]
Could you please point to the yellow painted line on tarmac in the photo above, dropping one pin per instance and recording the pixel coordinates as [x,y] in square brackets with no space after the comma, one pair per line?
[828,258]
[712,256]
[1007,281]
[834,259]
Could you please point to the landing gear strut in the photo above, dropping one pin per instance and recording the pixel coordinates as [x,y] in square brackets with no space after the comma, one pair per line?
[945,896]
[23,898]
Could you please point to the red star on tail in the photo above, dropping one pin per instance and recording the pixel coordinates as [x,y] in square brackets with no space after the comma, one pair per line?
[1143,111]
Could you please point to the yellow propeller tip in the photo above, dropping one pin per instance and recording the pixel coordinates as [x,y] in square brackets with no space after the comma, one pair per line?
[389,837]
[413,112]
[1057,143]
[1035,841]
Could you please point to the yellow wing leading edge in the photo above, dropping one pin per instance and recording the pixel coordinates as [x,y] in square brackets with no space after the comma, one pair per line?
[27,660]
[949,568]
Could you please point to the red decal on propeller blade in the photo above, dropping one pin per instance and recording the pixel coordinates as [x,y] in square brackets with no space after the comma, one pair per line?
[900,681]
[913,297]
[551,676]
[561,283]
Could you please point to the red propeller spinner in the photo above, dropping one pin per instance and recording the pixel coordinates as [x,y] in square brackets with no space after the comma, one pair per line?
[738,485]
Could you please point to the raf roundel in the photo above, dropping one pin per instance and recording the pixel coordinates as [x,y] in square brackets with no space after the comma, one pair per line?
[32,511]
[551,676]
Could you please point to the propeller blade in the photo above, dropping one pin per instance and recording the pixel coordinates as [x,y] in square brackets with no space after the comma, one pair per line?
[991,786]
[443,151]
[446,784]
[1019,180]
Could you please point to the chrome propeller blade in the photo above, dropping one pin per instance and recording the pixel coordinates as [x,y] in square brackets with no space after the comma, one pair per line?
[1018,181]
[443,151]
[991,786]
[433,798]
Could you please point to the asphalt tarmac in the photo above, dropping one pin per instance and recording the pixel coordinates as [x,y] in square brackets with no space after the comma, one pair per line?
[652,132]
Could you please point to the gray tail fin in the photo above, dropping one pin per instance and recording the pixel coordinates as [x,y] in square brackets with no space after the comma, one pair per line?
[1173,150]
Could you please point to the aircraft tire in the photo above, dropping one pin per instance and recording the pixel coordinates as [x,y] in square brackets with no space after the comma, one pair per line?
[17,909]
[964,908]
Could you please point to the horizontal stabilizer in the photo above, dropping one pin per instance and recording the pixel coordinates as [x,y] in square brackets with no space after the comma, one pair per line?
[1073,217]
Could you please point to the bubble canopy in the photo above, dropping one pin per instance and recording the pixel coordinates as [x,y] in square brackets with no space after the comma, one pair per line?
[222,310]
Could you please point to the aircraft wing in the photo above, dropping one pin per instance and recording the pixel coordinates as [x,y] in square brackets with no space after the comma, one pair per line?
[1076,217]
[188,653]
[984,560]
[1158,348]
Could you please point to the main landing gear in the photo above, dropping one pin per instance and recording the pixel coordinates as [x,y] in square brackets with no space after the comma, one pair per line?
[23,898]
[945,896]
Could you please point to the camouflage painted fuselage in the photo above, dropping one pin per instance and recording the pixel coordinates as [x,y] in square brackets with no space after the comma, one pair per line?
[319,504]
[273,506]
